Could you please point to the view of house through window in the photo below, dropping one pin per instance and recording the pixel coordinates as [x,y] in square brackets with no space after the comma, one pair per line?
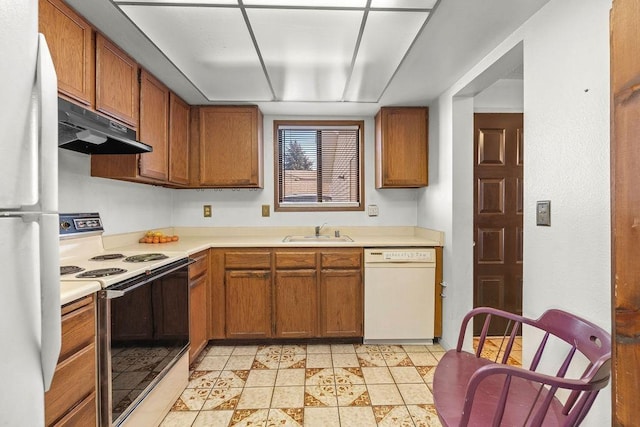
[319,165]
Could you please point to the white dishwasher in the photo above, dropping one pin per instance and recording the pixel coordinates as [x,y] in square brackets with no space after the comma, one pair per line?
[399,295]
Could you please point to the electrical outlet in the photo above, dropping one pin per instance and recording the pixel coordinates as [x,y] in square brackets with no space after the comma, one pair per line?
[543,212]
[372,210]
[206,211]
[265,210]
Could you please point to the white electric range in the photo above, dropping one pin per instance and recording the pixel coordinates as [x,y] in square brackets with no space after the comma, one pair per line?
[142,314]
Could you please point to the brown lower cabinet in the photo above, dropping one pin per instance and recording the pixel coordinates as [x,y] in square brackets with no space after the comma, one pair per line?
[286,293]
[71,400]
[198,284]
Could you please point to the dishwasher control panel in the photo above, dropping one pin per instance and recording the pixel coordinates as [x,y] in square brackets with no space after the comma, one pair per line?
[390,255]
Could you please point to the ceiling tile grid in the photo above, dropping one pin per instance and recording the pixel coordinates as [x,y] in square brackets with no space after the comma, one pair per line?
[283,50]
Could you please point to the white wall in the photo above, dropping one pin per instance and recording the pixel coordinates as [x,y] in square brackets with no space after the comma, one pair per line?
[504,96]
[566,108]
[123,206]
[243,207]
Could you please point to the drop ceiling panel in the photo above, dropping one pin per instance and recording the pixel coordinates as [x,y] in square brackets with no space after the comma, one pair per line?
[307,53]
[381,51]
[210,45]
[404,4]
[179,2]
[307,3]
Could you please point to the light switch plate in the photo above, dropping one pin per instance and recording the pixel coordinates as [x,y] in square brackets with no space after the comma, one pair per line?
[543,212]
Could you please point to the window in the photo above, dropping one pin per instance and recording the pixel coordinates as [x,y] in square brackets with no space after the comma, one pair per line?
[318,165]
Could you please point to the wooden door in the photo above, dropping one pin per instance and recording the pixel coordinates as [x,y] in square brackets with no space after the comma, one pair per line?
[179,113]
[70,40]
[248,304]
[497,218]
[117,89]
[341,303]
[197,316]
[154,127]
[295,303]
[625,205]
[230,147]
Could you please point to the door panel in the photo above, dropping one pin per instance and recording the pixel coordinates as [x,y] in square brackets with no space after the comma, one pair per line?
[498,207]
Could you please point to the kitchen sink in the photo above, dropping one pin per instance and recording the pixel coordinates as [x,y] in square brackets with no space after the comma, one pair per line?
[321,238]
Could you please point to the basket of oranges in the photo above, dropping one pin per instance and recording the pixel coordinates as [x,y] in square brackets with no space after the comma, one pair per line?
[157,237]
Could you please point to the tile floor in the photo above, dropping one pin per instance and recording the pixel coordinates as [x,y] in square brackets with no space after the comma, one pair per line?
[309,385]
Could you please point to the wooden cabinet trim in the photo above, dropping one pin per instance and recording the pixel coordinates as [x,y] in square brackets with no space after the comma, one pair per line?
[179,140]
[200,265]
[247,259]
[348,258]
[295,260]
[78,330]
[154,127]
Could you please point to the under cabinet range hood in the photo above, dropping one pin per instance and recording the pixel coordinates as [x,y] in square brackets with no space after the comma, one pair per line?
[87,132]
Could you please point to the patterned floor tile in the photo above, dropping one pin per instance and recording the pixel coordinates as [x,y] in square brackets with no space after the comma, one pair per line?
[384,394]
[415,348]
[239,362]
[406,375]
[365,348]
[222,398]
[212,418]
[245,350]
[426,372]
[391,349]
[352,395]
[290,417]
[424,415]
[290,377]
[423,359]
[249,417]
[292,360]
[348,376]
[178,419]
[318,348]
[322,360]
[219,350]
[392,416]
[203,379]
[342,348]
[398,359]
[371,359]
[212,363]
[377,375]
[261,378]
[255,398]
[345,360]
[191,399]
[232,379]
[288,397]
[414,394]
[357,416]
[321,417]
[320,395]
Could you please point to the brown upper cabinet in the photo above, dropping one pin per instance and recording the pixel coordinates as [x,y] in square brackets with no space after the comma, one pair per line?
[154,127]
[70,39]
[179,114]
[230,140]
[117,90]
[402,147]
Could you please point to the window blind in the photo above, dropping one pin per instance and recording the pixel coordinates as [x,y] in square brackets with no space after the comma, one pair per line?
[319,165]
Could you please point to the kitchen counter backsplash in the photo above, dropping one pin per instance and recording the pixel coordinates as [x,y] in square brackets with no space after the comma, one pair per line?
[195,239]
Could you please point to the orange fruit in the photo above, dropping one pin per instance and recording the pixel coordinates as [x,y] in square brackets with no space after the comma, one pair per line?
[174,238]
[156,240]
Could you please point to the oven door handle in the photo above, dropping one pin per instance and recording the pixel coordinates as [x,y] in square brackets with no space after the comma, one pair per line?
[117,293]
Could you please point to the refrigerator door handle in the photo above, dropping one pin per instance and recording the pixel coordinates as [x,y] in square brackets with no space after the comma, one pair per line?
[47,99]
[50,294]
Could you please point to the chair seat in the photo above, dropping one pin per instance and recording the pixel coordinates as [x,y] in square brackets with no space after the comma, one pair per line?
[450,385]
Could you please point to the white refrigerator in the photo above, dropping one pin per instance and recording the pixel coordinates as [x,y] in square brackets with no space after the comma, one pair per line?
[29,245]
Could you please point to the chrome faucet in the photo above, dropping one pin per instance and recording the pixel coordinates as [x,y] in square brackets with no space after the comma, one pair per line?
[318,228]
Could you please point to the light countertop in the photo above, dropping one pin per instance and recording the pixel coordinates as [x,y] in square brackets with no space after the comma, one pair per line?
[196,239]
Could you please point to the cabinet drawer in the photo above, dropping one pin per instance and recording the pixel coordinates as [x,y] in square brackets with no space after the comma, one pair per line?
[341,259]
[200,266]
[74,379]
[296,259]
[78,326]
[242,260]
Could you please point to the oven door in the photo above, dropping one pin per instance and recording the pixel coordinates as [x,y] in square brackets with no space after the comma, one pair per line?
[143,329]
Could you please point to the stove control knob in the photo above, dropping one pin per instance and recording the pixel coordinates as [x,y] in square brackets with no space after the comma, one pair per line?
[65,225]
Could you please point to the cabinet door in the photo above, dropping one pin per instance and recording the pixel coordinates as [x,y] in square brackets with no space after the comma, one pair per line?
[197,316]
[248,304]
[154,127]
[70,41]
[178,140]
[230,147]
[341,302]
[117,90]
[295,303]
[401,147]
